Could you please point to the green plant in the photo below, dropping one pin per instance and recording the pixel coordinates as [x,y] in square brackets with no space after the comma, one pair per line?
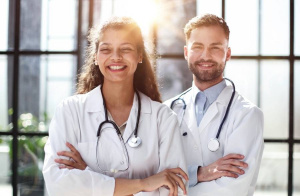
[30,151]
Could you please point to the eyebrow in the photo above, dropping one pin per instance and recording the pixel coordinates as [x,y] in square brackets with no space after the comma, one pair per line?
[217,43]
[107,44]
[213,44]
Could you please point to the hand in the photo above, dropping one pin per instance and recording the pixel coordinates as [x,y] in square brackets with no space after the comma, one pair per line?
[228,166]
[75,162]
[168,178]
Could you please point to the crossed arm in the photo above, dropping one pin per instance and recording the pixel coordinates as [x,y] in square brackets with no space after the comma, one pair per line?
[168,178]
[228,166]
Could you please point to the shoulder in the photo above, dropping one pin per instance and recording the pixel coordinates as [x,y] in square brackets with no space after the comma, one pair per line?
[158,109]
[185,94]
[82,102]
[244,107]
[73,101]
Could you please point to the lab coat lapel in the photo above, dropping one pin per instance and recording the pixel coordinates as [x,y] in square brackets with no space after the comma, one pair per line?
[94,106]
[190,118]
[217,107]
[131,122]
[209,115]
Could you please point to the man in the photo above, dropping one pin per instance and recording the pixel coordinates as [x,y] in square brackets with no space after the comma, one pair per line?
[230,166]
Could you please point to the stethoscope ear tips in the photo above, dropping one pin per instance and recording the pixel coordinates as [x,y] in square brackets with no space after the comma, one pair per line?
[184,134]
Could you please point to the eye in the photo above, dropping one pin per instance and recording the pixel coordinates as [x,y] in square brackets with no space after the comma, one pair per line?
[197,47]
[104,50]
[127,49]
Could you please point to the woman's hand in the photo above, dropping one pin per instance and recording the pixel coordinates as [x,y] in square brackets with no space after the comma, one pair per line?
[168,178]
[75,161]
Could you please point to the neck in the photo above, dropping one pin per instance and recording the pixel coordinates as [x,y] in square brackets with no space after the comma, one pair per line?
[117,94]
[203,85]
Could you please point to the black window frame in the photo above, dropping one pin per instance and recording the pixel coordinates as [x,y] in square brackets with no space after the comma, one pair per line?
[78,52]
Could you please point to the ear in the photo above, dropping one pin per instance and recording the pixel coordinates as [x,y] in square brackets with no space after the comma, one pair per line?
[185,49]
[95,58]
[228,54]
[140,58]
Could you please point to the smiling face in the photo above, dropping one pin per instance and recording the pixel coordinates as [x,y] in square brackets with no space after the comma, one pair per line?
[207,52]
[118,56]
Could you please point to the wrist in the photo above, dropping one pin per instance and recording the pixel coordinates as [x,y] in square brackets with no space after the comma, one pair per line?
[199,174]
[141,184]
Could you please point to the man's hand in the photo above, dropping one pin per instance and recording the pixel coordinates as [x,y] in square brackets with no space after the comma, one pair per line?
[228,166]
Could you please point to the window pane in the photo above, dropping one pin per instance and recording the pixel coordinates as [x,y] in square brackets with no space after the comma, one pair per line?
[170,36]
[297,27]
[212,7]
[44,82]
[5,93]
[48,25]
[244,74]
[275,27]
[31,158]
[4,24]
[173,76]
[297,100]
[5,169]
[105,13]
[243,32]
[296,177]
[275,97]
[273,173]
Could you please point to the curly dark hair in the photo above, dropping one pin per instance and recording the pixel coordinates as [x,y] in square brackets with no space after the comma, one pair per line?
[144,77]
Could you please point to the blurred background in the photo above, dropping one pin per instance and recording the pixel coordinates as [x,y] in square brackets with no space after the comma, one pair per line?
[42,45]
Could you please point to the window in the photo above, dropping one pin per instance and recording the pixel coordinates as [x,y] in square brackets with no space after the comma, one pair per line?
[39,59]
[42,48]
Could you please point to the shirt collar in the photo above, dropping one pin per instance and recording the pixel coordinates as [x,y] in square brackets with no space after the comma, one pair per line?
[211,93]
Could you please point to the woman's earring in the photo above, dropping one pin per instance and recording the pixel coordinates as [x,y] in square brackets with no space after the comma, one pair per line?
[141,61]
[96,63]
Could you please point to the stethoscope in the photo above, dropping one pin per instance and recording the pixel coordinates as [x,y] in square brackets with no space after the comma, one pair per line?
[133,142]
[214,143]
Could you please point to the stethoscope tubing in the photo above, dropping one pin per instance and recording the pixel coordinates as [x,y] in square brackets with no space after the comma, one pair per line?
[113,123]
[227,109]
[107,121]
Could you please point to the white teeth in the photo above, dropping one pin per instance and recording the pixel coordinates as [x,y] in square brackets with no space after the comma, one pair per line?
[115,67]
[205,65]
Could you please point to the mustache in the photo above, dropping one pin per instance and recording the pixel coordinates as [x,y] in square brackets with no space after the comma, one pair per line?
[203,61]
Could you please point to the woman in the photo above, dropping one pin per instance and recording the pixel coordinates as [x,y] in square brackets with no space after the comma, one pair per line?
[137,147]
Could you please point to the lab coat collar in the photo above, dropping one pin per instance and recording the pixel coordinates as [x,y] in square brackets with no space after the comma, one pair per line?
[94,101]
[216,107]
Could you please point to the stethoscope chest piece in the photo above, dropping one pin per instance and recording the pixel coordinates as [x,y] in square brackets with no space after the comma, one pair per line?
[213,144]
[134,141]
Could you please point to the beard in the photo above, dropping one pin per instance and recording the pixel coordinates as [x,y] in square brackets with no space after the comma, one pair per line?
[207,75]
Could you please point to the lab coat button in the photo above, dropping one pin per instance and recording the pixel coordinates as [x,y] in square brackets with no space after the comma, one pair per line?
[195,147]
[122,162]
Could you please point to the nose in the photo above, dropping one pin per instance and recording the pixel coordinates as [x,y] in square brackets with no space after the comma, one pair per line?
[116,55]
[205,54]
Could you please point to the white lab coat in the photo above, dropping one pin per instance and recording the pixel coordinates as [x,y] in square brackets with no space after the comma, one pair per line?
[76,121]
[242,133]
